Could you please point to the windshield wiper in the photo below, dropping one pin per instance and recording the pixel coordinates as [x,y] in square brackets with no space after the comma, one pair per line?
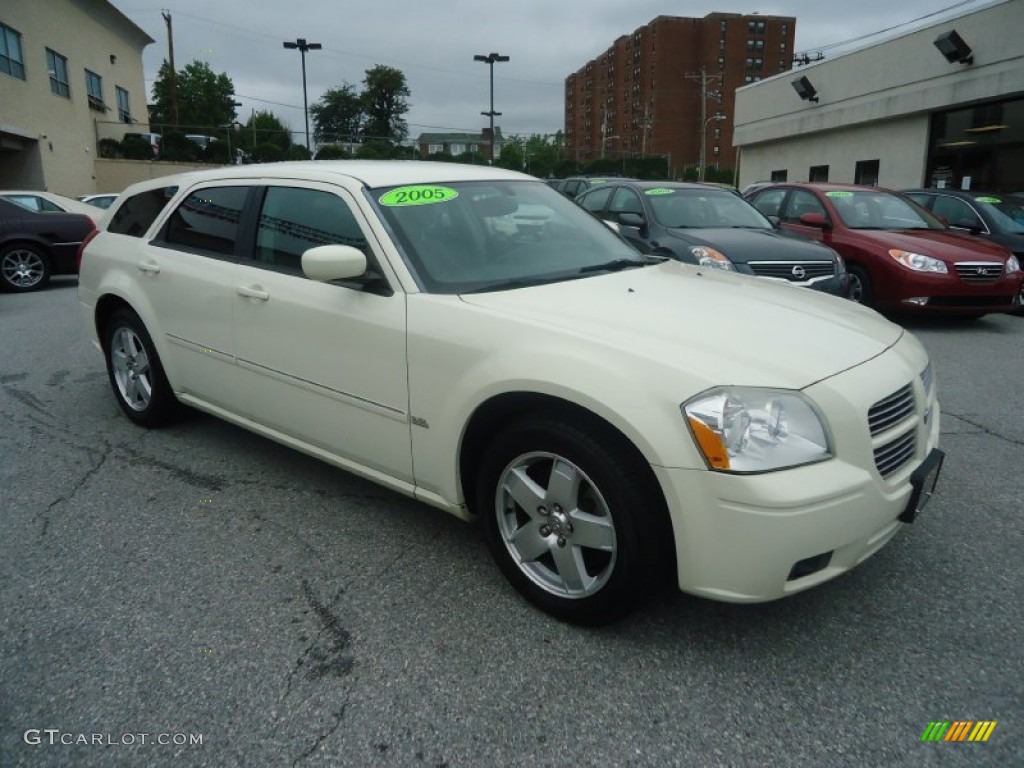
[616,265]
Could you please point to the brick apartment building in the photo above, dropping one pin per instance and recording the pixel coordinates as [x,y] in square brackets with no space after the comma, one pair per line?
[643,95]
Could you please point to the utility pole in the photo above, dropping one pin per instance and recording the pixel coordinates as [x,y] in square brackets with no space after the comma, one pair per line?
[302,46]
[703,79]
[173,72]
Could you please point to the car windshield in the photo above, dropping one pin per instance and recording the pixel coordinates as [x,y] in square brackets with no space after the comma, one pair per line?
[461,237]
[874,209]
[1007,211]
[703,209]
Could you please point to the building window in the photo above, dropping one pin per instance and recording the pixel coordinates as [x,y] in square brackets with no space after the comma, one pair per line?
[866,172]
[779,175]
[724,24]
[11,61]
[785,28]
[782,47]
[721,62]
[124,112]
[434,148]
[57,66]
[818,173]
[458,149]
[750,45]
[94,87]
[759,44]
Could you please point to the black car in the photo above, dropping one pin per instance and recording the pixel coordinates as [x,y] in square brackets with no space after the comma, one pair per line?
[34,245]
[700,224]
[996,217]
[574,186]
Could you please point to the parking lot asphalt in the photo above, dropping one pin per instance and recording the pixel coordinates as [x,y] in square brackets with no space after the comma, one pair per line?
[199,583]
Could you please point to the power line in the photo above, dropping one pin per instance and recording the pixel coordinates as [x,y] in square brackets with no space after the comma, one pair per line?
[822,48]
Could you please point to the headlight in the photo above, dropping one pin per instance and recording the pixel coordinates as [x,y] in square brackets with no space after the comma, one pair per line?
[708,257]
[918,262]
[1012,265]
[747,429]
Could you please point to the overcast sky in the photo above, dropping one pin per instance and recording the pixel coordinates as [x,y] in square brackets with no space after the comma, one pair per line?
[433,43]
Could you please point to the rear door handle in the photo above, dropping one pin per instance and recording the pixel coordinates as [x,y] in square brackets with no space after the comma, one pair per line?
[253,293]
[149,266]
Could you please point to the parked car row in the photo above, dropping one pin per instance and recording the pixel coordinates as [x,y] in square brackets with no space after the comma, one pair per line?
[899,256]
[34,245]
[478,341]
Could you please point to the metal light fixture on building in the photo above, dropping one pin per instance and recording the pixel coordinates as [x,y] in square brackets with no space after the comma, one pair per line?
[805,90]
[953,47]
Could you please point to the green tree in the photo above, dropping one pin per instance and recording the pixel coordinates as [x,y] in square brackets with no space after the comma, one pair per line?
[385,104]
[338,116]
[205,99]
[264,127]
[512,155]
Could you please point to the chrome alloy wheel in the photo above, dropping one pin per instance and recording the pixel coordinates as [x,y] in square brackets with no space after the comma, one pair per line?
[856,292]
[556,525]
[22,268]
[131,369]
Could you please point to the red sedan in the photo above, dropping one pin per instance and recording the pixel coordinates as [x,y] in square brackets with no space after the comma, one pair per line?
[898,255]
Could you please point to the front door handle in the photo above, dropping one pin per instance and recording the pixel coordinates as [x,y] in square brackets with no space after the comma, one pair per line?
[149,266]
[253,292]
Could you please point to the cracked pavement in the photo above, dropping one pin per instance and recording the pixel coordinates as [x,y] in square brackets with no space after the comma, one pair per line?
[201,580]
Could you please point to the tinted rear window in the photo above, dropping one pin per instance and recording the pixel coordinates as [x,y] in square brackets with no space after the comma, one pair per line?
[137,213]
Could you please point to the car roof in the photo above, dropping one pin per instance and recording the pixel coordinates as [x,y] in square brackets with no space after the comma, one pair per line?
[642,184]
[371,173]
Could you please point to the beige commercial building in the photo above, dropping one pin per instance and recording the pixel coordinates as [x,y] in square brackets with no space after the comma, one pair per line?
[938,106]
[70,72]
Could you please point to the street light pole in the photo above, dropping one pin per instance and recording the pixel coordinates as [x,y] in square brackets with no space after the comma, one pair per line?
[703,142]
[490,59]
[303,46]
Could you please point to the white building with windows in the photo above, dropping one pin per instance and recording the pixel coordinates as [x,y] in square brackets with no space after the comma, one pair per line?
[67,67]
[899,113]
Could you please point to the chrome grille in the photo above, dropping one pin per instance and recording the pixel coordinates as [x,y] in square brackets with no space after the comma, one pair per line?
[795,271]
[977,272]
[893,455]
[891,410]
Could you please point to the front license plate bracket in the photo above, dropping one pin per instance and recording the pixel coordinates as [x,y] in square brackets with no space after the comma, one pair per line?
[922,484]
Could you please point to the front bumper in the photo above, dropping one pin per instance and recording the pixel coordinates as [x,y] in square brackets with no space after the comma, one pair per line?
[753,538]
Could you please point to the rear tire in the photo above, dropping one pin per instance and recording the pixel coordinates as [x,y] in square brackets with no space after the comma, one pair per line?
[572,520]
[135,372]
[23,268]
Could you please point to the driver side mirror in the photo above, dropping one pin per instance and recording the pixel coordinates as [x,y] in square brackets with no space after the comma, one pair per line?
[814,220]
[631,220]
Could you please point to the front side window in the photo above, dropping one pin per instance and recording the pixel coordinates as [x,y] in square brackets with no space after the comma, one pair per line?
[57,67]
[769,201]
[462,237]
[137,213]
[626,201]
[207,220]
[11,60]
[124,112]
[94,87]
[802,202]
[596,200]
[957,212]
[294,219]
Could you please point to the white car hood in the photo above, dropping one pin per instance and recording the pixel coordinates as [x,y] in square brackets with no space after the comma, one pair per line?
[719,327]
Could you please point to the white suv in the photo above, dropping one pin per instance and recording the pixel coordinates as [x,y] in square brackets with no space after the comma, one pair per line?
[609,418]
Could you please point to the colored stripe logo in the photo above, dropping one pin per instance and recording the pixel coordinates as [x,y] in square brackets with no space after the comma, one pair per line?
[958,730]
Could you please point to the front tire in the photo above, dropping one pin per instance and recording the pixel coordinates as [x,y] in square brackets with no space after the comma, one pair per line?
[136,374]
[861,290]
[23,268]
[572,520]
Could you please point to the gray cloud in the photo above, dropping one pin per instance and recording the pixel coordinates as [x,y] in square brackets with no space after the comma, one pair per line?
[434,44]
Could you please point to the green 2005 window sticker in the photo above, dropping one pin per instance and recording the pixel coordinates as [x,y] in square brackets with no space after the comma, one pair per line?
[990,200]
[421,194]
[838,193]
[660,191]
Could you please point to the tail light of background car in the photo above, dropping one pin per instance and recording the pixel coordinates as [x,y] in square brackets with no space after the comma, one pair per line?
[81,249]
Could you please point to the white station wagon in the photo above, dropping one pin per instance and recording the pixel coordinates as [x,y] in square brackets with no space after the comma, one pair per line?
[612,419]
